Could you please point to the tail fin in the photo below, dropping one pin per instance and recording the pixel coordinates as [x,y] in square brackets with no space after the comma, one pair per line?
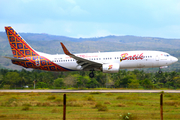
[19,46]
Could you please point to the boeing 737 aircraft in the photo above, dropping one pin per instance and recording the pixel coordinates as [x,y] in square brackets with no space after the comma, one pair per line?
[107,62]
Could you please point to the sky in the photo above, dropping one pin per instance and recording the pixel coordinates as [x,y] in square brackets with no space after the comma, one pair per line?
[93,18]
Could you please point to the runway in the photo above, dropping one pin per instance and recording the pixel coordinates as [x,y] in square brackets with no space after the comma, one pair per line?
[88,91]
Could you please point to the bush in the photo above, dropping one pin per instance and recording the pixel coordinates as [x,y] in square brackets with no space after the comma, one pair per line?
[1,116]
[11,102]
[101,107]
[51,97]
[120,97]
[121,105]
[107,102]
[59,100]
[98,105]
[90,98]
[26,104]
[74,104]
[55,110]
[95,93]
[25,108]
[46,104]
[109,94]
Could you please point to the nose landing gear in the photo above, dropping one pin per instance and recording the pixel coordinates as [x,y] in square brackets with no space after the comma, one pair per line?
[159,71]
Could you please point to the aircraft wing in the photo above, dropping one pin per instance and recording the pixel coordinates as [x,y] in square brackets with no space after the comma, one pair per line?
[85,63]
[16,59]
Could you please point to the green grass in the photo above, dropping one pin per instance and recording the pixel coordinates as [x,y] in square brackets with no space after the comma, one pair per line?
[95,106]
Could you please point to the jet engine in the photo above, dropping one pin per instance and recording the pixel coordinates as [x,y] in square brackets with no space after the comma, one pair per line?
[110,68]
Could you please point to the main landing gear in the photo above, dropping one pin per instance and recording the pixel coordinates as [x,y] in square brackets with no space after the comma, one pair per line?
[159,71]
[91,75]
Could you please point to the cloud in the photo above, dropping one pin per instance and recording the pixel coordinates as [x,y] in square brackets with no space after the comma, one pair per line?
[71,1]
[78,18]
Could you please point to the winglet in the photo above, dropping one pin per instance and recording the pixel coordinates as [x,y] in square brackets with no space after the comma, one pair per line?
[65,49]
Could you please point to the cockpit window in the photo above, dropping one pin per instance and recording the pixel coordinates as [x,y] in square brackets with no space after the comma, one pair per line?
[166,55]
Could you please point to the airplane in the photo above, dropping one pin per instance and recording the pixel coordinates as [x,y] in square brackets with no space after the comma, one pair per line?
[107,62]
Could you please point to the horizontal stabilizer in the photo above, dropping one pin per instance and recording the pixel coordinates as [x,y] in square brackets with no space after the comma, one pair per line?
[16,59]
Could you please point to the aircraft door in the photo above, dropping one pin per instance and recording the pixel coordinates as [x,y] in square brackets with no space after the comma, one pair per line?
[157,57]
[156,63]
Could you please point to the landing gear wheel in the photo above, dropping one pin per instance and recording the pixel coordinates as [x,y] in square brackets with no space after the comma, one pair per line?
[160,72]
[91,75]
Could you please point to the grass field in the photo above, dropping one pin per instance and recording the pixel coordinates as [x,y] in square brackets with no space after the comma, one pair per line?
[91,106]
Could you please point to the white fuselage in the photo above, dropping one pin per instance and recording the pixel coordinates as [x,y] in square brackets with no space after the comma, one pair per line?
[130,59]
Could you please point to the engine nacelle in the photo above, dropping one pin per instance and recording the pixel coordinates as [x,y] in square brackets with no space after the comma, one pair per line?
[110,68]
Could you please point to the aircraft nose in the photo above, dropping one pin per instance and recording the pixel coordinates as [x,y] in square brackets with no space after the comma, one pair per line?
[174,59]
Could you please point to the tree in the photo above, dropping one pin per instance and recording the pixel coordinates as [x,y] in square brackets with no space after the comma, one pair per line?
[101,78]
[41,85]
[146,83]
[82,81]
[46,77]
[70,81]
[1,81]
[58,82]
[92,83]
[12,79]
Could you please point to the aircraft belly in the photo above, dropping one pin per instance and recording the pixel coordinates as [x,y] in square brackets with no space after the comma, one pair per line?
[163,63]
[156,63]
[128,64]
[72,66]
[160,63]
[141,64]
[148,63]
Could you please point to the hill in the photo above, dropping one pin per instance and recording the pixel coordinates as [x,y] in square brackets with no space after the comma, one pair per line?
[51,44]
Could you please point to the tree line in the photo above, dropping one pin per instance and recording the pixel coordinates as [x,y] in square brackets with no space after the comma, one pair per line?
[13,79]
